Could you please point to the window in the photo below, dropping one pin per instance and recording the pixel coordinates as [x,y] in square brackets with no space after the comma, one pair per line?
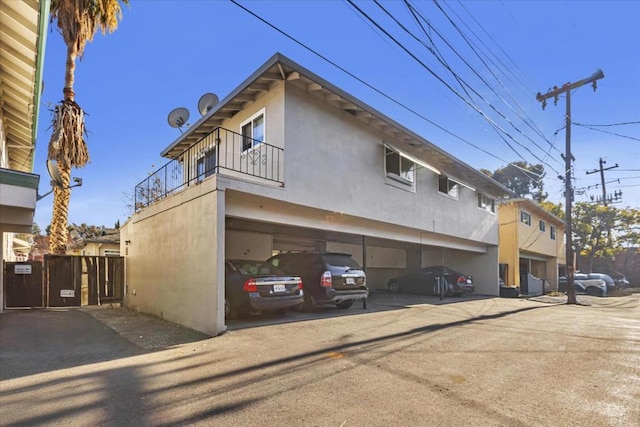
[447,186]
[486,203]
[112,252]
[525,217]
[542,225]
[253,131]
[206,164]
[552,230]
[398,166]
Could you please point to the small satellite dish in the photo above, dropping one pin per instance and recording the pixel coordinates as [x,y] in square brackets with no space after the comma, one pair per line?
[74,235]
[207,102]
[54,173]
[178,117]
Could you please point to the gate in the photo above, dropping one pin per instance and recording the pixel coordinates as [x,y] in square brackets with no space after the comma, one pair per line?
[23,284]
[83,280]
[64,281]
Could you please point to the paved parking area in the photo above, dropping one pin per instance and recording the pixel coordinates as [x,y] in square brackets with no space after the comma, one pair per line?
[477,362]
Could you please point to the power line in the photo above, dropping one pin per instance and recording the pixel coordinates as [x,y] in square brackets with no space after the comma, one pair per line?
[604,131]
[369,85]
[610,124]
[464,37]
[491,121]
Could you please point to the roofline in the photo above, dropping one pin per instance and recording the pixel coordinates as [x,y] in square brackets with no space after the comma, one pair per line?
[43,25]
[536,206]
[280,58]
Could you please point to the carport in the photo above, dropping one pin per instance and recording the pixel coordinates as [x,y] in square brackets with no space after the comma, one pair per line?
[381,258]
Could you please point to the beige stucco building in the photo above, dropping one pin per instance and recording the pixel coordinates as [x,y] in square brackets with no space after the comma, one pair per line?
[288,161]
[531,245]
[23,29]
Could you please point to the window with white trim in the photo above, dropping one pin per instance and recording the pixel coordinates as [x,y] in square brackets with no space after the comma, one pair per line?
[398,167]
[486,203]
[253,131]
[447,186]
[525,217]
[552,231]
[542,225]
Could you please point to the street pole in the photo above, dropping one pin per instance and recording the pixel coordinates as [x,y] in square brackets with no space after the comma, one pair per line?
[601,170]
[555,93]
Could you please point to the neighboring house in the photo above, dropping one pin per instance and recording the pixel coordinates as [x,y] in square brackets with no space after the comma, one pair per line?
[531,246]
[287,161]
[23,29]
[108,244]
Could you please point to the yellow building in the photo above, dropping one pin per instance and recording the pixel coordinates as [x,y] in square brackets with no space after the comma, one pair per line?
[531,246]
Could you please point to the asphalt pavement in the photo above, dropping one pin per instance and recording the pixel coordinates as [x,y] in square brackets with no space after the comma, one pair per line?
[403,361]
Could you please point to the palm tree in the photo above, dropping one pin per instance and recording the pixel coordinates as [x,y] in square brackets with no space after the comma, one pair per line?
[78,21]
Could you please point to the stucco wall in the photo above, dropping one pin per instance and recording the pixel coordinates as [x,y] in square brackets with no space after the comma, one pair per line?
[336,162]
[483,268]
[174,259]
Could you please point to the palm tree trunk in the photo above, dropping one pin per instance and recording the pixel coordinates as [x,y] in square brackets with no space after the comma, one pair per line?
[59,219]
[70,71]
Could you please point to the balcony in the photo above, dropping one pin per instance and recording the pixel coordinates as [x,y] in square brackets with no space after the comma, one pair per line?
[221,152]
[18,196]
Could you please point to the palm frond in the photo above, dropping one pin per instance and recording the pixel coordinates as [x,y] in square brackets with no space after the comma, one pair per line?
[67,145]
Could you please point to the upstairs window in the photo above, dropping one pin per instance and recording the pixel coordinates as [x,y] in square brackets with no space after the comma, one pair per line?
[542,225]
[486,203]
[447,186]
[525,218]
[253,131]
[552,231]
[206,164]
[398,167]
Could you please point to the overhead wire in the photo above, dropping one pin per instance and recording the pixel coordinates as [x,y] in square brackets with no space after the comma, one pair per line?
[527,120]
[604,131]
[390,98]
[440,79]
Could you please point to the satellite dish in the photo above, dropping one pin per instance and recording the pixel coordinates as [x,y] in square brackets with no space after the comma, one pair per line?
[54,173]
[178,117]
[207,102]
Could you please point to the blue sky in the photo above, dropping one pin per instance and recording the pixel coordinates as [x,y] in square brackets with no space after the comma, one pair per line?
[166,54]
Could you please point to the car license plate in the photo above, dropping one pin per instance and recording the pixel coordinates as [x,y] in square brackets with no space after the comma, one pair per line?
[350,281]
[279,288]
[468,281]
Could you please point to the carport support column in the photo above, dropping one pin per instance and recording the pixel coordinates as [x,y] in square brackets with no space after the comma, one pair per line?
[220,251]
[364,254]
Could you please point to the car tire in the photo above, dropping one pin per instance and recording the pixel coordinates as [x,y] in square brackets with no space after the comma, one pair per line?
[344,305]
[594,292]
[229,312]
[393,287]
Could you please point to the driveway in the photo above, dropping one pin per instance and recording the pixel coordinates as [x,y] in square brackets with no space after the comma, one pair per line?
[474,362]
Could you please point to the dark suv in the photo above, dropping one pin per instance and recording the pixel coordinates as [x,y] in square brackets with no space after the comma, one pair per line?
[328,277]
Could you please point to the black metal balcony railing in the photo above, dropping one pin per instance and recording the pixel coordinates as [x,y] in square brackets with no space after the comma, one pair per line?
[221,149]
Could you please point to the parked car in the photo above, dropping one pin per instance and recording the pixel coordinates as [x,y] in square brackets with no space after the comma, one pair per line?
[330,278]
[252,287]
[584,285]
[426,281]
[619,279]
[611,284]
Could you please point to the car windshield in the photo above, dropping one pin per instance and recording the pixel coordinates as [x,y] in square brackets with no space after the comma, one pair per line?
[255,268]
[339,263]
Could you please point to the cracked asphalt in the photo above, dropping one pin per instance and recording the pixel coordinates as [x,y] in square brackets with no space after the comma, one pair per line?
[405,361]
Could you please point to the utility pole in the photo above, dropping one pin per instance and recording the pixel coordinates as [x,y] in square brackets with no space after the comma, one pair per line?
[555,93]
[601,170]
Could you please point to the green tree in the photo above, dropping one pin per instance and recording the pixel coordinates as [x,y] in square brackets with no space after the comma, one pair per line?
[522,178]
[592,225]
[78,21]
[553,209]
